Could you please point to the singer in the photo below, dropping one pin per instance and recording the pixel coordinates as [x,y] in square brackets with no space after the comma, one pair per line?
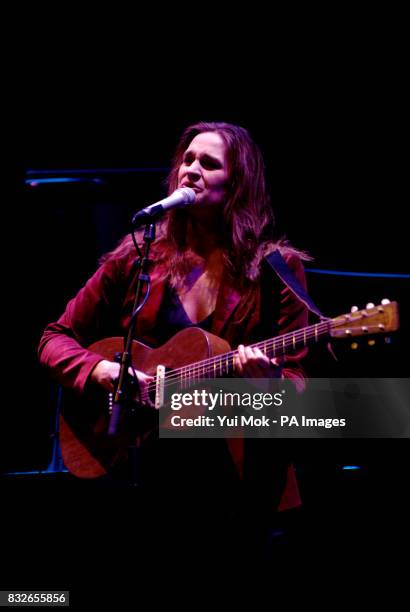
[208,270]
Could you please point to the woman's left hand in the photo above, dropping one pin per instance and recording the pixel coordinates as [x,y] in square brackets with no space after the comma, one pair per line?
[252,363]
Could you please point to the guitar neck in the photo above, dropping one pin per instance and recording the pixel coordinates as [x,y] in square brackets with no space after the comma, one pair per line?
[223,365]
[371,320]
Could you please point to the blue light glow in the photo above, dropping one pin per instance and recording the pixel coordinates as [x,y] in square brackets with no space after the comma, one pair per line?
[60,179]
[346,273]
[35,472]
[95,171]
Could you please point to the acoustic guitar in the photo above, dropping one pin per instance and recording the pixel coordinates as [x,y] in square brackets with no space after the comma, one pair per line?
[191,355]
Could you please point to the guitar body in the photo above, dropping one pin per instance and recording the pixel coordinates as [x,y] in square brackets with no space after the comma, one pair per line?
[87,449]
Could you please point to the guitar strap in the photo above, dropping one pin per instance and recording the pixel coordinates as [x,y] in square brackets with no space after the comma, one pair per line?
[279,265]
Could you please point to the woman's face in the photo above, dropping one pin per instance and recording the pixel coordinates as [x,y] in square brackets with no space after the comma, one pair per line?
[204,168]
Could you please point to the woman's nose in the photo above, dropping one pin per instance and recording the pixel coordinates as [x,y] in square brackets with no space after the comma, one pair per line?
[194,169]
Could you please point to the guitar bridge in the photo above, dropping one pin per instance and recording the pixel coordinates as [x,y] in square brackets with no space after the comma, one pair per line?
[160,387]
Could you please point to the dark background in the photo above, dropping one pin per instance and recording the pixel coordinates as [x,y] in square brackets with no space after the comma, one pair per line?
[331,119]
[331,134]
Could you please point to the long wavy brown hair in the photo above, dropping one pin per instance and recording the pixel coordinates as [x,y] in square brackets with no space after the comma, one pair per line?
[247,226]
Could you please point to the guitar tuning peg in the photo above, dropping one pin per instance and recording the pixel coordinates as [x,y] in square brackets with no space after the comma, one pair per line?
[370,305]
[354,346]
[385,301]
[387,340]
[354,309]
[371,342]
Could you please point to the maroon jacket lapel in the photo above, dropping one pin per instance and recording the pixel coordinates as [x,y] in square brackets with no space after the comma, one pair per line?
[226,303]
[147,319]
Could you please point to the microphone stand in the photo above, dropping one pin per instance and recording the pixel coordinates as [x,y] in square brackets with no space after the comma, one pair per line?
[126,383]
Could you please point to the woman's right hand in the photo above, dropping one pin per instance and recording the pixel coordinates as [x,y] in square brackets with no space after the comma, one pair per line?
[106,373]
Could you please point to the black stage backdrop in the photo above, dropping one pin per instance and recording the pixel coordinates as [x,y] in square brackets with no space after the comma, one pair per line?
[332,140]
[336,174]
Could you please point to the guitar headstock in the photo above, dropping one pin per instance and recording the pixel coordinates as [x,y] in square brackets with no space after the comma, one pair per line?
[371,320]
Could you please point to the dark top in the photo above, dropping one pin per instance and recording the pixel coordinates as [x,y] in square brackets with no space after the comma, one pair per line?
[172,317]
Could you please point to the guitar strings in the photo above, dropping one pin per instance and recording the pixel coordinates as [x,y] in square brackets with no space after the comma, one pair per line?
[199,369]
[190,373]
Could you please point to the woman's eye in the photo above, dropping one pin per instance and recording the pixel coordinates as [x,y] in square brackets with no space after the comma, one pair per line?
[210,164]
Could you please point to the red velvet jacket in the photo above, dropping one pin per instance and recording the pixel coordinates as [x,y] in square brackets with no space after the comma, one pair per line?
[103,307]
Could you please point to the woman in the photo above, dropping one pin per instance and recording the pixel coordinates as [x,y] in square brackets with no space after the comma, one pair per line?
[208,270]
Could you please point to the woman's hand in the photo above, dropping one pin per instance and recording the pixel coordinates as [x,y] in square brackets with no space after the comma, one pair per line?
[252,363]
[106,373]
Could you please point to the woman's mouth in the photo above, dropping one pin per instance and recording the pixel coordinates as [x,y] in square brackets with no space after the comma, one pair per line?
[194,187]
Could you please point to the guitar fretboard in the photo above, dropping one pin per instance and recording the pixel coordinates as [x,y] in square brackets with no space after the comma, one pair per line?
[222,366]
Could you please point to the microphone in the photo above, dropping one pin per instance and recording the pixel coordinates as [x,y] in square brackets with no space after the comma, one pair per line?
[181,197]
